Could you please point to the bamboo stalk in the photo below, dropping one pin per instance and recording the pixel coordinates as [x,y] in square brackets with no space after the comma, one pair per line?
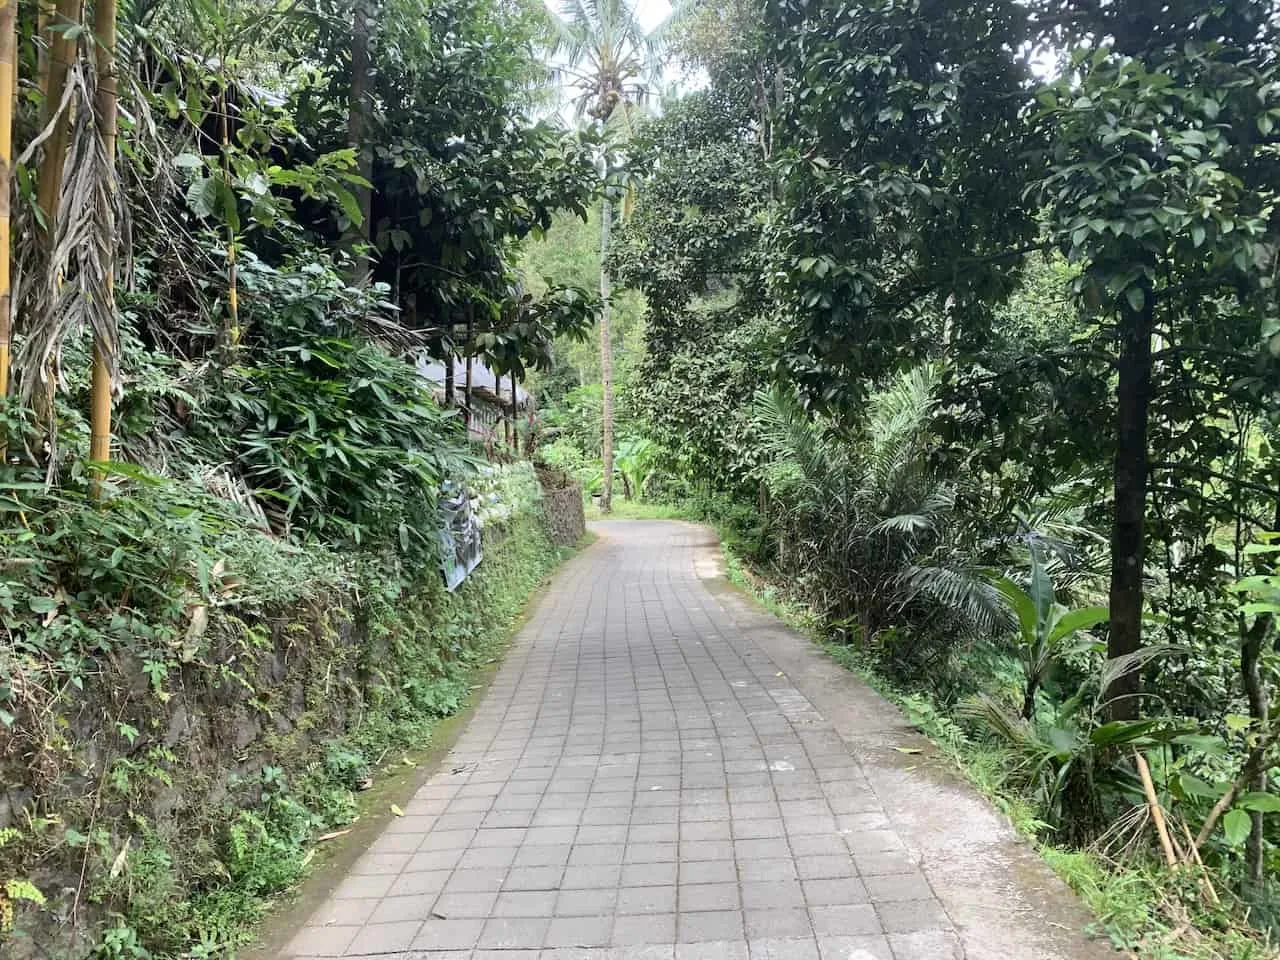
[105,105]
[44,13]
[61,52]
[8,67]
[1157,814]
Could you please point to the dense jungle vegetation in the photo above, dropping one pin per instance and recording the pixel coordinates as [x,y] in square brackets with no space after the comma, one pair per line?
[960,320]
[228,232]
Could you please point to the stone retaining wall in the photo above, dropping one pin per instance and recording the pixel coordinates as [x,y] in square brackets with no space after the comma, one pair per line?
[565,520]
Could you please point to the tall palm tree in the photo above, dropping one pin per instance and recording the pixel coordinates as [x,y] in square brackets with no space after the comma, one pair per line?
[612,62]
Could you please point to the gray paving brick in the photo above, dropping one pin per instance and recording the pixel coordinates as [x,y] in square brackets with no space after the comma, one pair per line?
[793,948]
[579,931]
[654,899]
[709,925]
[644,929]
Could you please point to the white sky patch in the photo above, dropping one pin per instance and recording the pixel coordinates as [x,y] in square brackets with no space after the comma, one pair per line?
[650,13]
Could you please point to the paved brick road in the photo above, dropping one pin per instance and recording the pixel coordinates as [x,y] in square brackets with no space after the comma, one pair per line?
[642,781]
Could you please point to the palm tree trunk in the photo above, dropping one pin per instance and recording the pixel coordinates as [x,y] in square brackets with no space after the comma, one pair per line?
[606,360]
[104,28]
[8,63]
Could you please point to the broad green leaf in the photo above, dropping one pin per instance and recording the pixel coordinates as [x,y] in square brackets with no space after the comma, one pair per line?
[1020,603]
[1076,620]
[1237,722]
[1193,786]
[1204,743]
[1236,825]
[1260,802]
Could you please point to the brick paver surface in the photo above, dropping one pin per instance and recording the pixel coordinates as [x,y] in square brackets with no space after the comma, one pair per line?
[640,781]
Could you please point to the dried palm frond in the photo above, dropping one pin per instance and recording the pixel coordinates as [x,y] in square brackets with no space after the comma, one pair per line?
[68,285]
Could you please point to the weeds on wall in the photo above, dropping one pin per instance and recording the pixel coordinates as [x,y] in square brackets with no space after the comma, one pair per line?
[178,852]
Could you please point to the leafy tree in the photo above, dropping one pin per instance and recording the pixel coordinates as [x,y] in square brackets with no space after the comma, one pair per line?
[1161,187]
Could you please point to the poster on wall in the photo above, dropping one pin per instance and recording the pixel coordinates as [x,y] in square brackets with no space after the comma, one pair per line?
[459,535]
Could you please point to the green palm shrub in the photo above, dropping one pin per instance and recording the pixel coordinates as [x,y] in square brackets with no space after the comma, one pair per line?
[865,518]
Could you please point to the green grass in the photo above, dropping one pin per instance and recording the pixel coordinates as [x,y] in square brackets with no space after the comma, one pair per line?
[639,510]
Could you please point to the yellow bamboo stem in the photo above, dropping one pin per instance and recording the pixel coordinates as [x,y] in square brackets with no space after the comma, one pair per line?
[44,13]
[1157,812]
[61,52]
[105,105]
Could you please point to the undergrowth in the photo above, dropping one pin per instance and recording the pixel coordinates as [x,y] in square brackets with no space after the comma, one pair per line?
[1134,900]
[328,665]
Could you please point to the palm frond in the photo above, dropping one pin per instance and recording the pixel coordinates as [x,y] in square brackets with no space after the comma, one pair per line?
[964,592]
[76,277]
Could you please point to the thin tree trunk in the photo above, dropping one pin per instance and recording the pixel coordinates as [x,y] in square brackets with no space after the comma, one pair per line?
[357,135]
[466,388]
[1260,709]
[231,335]
[1133,399]
[8,63]
[507,412]
[515,416]
[606,359]
[104,28]
[44,13]
[448,374]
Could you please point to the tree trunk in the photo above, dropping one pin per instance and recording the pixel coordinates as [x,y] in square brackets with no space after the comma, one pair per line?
[8,62]
[606,360]
[358,136]
[231,332]
[466,387]
[448,374]
[1259,709]
[1133,398]
[1029,700]
[105,105]
[507,412]
[1255,689]
[515,414]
